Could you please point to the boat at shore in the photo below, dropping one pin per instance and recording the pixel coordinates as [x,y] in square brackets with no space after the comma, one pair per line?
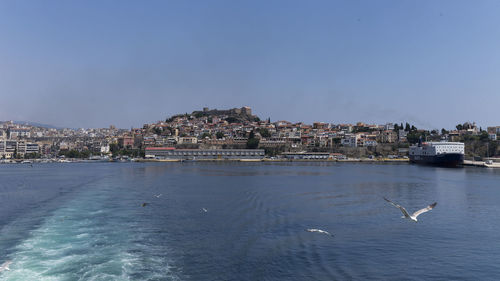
[449,154]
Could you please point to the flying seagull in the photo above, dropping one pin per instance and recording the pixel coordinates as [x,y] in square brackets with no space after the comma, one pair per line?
[5,266]
[413,216]
[319,231]
[158,196]
[204,210]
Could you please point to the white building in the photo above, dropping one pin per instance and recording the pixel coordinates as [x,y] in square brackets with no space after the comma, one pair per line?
[349,140]
[369,143]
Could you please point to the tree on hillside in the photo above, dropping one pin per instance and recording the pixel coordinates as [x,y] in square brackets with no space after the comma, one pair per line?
[444,131]
[484,136]
[414,137]
[252,142]
[219,135]
[264,133]
[231,119]
[460,127]
[205,135]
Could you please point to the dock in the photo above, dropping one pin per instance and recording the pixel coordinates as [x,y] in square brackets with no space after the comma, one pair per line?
[481,164]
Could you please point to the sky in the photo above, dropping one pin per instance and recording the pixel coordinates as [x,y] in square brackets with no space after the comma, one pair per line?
[76,64]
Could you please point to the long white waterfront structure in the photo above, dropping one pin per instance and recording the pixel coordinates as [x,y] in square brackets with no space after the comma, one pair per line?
[203,154]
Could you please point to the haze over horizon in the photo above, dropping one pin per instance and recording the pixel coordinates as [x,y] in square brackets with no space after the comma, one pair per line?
[96,63]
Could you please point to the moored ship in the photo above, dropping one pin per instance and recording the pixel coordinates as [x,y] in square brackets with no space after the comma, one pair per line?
[438,153]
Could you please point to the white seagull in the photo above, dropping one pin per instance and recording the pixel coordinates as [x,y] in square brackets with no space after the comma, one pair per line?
[318,231]
[204,210]
[5,266]
[413,216]
[158,195]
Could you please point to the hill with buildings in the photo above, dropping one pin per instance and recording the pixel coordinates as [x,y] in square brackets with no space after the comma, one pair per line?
[234,115]
[238,128]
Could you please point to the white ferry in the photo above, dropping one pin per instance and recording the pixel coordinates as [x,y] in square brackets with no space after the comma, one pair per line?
[438,153]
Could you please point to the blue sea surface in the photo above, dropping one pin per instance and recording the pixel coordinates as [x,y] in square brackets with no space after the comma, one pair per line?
[247,221]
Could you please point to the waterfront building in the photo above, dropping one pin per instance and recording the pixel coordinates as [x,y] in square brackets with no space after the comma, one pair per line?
[126,141]
[203,154]
[7,148]
[307,155]
[31,148]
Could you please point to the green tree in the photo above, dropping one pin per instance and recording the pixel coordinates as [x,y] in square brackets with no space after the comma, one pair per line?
[252,142]
[414,137]
[219,135]
[444,131]
[231,119]
[264,132]
[407,127]
[113,147]
[205,135]
[460,127]
[484,136]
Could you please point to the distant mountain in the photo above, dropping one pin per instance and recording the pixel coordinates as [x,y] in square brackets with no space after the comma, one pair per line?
[34,124]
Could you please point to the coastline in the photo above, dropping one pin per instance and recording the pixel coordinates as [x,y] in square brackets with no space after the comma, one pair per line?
[467,163]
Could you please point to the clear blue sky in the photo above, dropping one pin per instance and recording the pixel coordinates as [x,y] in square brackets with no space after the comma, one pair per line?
[95,63]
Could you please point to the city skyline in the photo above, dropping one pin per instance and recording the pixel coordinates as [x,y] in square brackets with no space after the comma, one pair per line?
[52,126]
[93,64]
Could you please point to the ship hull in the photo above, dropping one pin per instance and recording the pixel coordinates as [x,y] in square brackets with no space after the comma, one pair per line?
[448,160]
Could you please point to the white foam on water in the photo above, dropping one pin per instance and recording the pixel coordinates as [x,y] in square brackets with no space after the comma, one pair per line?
[83,241]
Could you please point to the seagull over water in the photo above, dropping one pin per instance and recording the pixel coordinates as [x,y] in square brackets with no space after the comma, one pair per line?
[318,231]
[412,217]
[5,266]
[204,210]
[158,195]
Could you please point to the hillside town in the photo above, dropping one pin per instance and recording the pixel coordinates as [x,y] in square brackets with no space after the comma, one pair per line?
[237,128]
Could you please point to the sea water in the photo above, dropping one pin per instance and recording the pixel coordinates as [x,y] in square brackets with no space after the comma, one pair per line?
[247,221]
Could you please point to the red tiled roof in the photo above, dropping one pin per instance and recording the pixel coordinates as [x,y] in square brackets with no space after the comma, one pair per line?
[160,148]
